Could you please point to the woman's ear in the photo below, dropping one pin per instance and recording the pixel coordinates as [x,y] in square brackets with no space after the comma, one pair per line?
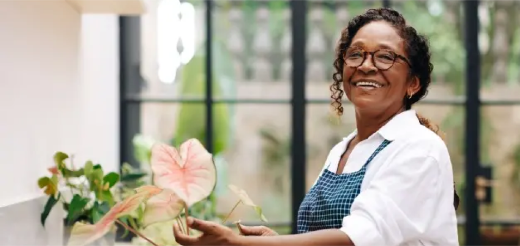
[414,86]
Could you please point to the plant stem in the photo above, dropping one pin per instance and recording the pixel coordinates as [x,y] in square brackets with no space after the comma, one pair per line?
[132,222]
[135,232]
[181,226]
[186,214]
[233,209]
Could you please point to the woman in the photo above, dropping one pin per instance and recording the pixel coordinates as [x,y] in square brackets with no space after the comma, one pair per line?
[390,182]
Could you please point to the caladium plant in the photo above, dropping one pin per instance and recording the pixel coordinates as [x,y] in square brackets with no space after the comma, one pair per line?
[246,200]
[181,178]
[85,193]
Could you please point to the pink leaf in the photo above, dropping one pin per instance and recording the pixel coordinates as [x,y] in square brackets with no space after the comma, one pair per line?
[148,191]
[190,173]
[53,170]
[162,207]
[83,234]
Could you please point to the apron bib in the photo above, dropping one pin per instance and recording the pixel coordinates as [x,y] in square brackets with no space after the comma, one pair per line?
[330,199]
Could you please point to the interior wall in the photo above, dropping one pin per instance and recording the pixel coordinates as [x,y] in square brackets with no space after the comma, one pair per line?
[58,92]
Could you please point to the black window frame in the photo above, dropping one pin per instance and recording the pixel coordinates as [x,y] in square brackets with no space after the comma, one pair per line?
[131,81]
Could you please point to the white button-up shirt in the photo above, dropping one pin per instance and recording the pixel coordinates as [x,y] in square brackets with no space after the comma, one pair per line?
[407,194]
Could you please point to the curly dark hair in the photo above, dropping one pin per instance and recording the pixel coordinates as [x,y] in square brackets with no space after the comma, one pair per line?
[416,47]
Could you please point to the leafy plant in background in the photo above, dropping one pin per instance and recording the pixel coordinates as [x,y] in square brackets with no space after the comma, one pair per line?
[85,193]
[182,177]
[191,119]
[445,41]
[275,157]
[191,116]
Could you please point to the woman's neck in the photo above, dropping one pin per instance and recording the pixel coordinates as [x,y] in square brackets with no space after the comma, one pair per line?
[368,123]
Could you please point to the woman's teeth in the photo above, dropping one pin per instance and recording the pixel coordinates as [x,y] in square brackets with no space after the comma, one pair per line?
[368,84]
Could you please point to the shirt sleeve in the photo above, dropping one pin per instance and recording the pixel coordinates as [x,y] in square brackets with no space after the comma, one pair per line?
[397,205]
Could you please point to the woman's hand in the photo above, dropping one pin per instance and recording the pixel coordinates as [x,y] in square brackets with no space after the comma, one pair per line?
[212,234]
[255,230]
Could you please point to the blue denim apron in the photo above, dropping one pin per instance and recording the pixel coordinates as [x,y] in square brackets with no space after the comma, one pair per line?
[330,199]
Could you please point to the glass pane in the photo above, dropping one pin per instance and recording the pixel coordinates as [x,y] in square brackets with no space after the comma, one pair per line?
[252,49]
[500,50]
[441,22]
[173,123]
[324,130]
[326,20]
[172,43]
[253,153]
[500,150]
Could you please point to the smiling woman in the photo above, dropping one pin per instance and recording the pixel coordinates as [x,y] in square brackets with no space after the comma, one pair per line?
[390,181]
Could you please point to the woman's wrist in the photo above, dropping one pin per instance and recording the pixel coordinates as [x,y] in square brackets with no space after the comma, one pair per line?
[241,240]
[323,237]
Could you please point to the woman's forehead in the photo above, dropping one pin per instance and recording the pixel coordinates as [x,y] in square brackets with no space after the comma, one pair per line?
[378,35]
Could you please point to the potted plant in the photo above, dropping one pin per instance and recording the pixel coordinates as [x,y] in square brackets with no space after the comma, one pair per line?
[135,176]
[86,194]
[169,199]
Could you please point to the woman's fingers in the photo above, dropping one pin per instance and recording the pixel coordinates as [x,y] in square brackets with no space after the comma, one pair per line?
[255,230]
[249,230]
[182,238]
[203,226]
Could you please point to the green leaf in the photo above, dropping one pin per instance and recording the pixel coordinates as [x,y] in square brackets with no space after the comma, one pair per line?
[54,180]
[59,157]
[99,210]
[140,213]
[77,204]
[72,173]
[48,207]
[44,181]
[49,184]
[87,169]
[124,219]
[111,178]
[96,180]
[260,213]
[132,177]
[142,148]
[106,196]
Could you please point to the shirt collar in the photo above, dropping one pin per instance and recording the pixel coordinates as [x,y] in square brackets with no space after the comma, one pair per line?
[397,126]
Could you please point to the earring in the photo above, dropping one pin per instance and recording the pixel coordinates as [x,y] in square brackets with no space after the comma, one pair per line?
[410,96]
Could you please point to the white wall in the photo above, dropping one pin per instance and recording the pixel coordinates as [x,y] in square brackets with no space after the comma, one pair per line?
[100,90]
[58,91]
[39,94]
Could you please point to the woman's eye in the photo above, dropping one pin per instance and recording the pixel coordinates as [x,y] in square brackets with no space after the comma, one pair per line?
[355,54]
[386,57]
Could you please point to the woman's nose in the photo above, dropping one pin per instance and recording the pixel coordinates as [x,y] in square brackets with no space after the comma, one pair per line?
[368,65]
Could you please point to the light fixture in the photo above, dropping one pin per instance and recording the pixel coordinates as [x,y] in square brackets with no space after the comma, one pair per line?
[175,23]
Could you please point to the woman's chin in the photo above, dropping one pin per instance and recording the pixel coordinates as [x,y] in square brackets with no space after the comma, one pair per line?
[364,103]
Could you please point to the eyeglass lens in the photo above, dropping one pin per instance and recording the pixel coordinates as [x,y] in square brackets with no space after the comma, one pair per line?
[382,59]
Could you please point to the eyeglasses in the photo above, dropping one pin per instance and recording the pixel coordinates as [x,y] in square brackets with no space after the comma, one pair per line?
[383,59]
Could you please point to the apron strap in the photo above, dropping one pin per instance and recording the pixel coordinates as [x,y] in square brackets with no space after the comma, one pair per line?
[379,149]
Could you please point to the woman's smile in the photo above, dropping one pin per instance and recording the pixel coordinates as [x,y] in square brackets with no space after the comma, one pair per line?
[367,85]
